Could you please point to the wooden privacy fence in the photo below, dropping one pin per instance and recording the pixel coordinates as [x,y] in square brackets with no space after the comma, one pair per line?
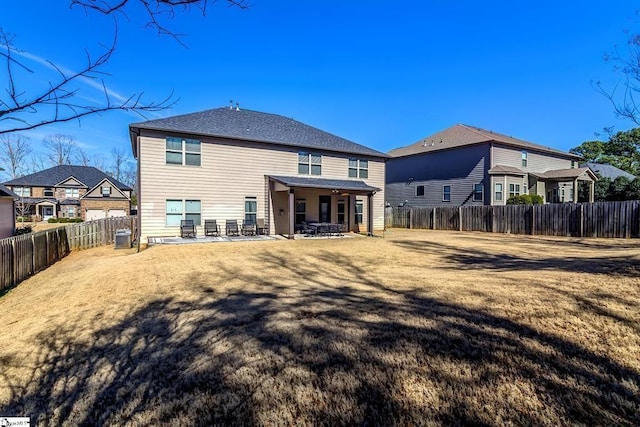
[25,255]
[600,219]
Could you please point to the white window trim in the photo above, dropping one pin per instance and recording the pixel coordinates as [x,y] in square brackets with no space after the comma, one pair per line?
[183,151]
[443,193]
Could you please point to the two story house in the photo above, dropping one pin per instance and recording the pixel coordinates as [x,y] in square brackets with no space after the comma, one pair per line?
[465,165]
[233,164]
[69,191]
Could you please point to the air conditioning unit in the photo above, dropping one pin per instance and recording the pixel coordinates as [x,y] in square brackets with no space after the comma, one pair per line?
[123,239]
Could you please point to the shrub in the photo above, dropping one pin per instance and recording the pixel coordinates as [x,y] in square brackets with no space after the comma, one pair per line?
[75,219]
[24,218]
[52,220]
[525,199]
[24,230]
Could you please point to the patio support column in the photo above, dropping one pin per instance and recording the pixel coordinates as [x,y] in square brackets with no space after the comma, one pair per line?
[575,190]
[292,225]
[370,214]
[592,190]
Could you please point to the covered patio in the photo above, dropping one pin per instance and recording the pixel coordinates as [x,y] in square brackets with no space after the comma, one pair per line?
[557,183]
[300,200]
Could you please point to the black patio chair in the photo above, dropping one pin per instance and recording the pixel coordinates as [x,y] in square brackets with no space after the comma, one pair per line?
[187,228]
[248,228]
[232,227]
[334,229]
[211,227]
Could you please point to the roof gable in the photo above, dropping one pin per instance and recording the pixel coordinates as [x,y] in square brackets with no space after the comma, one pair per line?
[608,171]
[5,192]
[70,182]
[253,126]
[96,190]
[462,135]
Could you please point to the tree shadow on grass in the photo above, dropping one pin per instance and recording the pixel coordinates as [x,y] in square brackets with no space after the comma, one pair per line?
[476,259]
[331,346]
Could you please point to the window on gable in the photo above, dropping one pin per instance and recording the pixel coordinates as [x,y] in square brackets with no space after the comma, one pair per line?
[478,192]
[106,191]
[309,163]
[524,159]
[420,191]
[182,151]
[446,193]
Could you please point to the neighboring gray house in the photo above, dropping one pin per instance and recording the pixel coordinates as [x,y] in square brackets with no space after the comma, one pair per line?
[465,165]
[607,171]
[232,164]
[7,212]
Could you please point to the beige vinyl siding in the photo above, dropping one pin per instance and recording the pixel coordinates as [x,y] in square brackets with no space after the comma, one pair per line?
[536,161]
[229,172]
[7,217]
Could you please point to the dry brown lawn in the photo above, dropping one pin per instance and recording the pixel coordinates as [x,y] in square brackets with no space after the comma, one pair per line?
[418,328]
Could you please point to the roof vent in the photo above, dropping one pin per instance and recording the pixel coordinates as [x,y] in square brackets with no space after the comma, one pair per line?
[237,106]
[231,104]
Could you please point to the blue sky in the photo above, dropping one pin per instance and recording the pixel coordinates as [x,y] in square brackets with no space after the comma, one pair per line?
[381,73]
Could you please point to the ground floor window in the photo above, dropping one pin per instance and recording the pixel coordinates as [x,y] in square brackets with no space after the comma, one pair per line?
[446,193]
[175,209]
[192,209]
[250,209]
[359,211]
[301,211]
[478,192]
[514,190]
[498,190]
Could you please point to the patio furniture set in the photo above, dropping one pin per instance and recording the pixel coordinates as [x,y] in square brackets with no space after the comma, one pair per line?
[321,229]
[232,228]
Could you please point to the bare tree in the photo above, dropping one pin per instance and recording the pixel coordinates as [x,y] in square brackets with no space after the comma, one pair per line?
[98,161]
[61,100]
[14,152]
[624,95]
[82,158]
[118,160]
[61,148]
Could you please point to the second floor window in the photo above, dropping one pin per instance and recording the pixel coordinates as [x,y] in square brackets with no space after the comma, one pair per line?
[71,193]
[22,191]
[309,163]
[106,191]
[180,151]
[358,168]
[420,191]
[524,159]
[48,192]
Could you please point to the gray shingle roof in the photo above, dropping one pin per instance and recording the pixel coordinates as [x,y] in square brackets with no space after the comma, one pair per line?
[334,184]
[565,173]
[4,191]
[254,126]
[88,175]
[506,170]
[461,135]
[607,171]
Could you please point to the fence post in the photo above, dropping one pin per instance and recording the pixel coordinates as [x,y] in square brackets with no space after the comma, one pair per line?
[581,220]
[459,218]
[533,220]
[410,218]
[434,218]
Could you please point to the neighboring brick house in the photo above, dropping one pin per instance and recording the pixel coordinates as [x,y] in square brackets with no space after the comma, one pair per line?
[232,164]
[7,209]
[69,191]
[465,165]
